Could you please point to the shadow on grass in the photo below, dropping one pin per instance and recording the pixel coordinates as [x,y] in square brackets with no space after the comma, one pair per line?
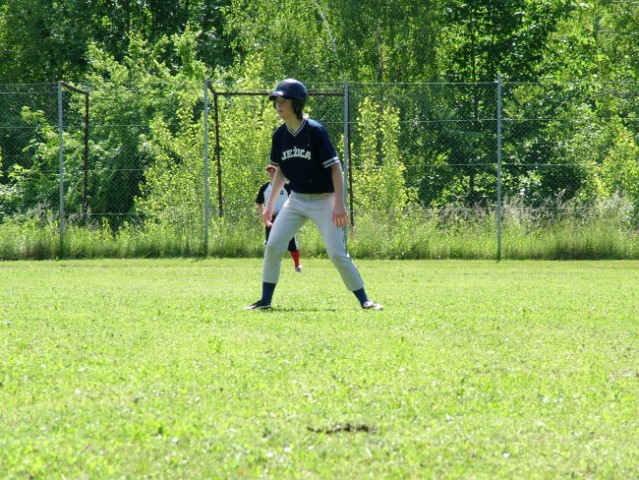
[299,309]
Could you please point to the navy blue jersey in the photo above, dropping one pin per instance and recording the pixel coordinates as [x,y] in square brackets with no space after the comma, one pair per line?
[305,156]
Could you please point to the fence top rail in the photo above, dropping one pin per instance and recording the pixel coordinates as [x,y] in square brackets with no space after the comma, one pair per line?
[313,93]
[332,88]
[73,88]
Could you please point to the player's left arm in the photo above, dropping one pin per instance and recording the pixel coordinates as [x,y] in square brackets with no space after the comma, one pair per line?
[340,215]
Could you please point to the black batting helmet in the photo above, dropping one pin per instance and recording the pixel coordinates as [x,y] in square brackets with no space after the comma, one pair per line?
[290,88]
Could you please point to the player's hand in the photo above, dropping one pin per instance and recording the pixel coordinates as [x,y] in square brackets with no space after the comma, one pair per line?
[340,216]
[267,216]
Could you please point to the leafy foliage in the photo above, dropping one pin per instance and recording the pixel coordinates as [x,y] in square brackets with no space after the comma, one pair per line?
[619,171]
[380,185]
[416,143]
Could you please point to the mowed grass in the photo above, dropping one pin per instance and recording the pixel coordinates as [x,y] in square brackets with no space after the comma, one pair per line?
[475,370]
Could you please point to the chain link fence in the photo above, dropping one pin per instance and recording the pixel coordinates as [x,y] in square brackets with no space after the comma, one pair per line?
[125,157]
[28,113]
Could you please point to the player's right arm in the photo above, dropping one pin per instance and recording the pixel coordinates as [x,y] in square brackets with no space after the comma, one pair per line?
[276,185]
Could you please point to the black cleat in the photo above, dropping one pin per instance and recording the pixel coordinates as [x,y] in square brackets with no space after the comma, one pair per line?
[258,306]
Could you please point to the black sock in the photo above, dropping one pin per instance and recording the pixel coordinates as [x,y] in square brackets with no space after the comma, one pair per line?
[267,292]
[361,295]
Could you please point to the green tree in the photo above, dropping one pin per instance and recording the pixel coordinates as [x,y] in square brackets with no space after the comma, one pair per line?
[597,42]
[478,41]
[379,185]
[284,41]
[127,100]
[577,111]
[485,37]
[115,22]
[42,40]
[384,41]
[316,40]
[37,184]
[48,40]
[619,171]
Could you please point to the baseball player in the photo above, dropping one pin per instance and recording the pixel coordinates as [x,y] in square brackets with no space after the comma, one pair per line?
[304,154]
[263,194]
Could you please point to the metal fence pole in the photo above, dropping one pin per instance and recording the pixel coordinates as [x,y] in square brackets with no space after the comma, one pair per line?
[499,200]
[218,155]
[61,162]
[348,193]
[206,167]
[85,158]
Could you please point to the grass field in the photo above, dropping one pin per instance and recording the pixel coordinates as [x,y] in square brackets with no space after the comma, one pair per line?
[474,370]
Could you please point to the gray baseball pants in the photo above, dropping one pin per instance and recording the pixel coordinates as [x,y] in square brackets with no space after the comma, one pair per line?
[299,208]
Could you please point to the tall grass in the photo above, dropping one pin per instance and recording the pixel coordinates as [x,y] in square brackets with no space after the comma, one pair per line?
[559,231]
[551,232]
[29,238]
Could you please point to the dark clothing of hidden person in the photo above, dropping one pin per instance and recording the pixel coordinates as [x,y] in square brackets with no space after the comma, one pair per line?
[263,194]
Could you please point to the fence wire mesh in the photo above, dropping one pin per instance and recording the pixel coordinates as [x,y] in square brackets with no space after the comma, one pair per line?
[140,159]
